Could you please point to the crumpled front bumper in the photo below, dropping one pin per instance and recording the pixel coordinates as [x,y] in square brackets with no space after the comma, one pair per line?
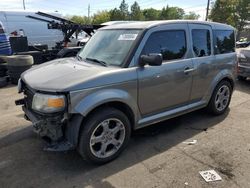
[61,129]
[50,127]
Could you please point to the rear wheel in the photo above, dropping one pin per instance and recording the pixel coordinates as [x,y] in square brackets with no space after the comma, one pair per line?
[221,98]
[104,136]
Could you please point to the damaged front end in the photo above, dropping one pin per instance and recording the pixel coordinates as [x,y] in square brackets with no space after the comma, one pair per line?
[48,114]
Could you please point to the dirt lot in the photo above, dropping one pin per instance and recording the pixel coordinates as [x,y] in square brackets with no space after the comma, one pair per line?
[156,156]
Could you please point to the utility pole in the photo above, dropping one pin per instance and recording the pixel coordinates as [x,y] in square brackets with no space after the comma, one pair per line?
[89,13]
[208,4]
[23,5]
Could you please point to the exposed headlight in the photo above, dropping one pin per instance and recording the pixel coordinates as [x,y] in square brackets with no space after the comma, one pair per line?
[48,103]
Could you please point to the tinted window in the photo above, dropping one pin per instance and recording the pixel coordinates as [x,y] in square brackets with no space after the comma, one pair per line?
[224,41]
[171,44]
[201,42]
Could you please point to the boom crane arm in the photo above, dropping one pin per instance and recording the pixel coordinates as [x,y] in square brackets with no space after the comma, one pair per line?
[68,27]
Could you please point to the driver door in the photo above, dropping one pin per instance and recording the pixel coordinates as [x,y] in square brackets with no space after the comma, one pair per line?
[162,88]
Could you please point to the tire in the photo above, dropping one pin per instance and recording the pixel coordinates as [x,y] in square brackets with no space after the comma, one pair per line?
[17,64]
[37,56]
[14,74]
[219,104]
[38,47]
[14,77]
[3,69]
[14,80]
[3,82]
[94,127]
[242,78]
[3,59]
[3,73]
[20,60]
[18,69]
[3,66]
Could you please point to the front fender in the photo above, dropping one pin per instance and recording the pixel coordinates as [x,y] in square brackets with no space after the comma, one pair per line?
[89,100]
[93,100]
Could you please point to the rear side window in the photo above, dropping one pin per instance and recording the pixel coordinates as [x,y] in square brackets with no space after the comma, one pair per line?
[171,44]
[201,42]
[224,41]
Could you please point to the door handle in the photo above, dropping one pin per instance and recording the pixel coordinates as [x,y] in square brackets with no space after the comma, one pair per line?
[188,70]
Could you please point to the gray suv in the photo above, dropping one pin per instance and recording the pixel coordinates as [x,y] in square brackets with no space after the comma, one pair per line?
[129,76]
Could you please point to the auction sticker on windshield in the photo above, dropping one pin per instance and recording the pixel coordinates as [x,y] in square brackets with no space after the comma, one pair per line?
[127,37]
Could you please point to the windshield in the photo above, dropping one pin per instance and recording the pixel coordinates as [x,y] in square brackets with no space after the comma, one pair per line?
[109,46]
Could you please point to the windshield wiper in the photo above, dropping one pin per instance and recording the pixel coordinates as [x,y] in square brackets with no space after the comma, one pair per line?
[79,58]
[97,61]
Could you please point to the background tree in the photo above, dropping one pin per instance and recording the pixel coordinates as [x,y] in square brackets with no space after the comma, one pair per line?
[151,14]
[167,13]
[191,16]
[242,14]
[136,13]
[171,13]
[80,19]
[232,12]
[221,11]
[115,14]
[101,17]
[124,10]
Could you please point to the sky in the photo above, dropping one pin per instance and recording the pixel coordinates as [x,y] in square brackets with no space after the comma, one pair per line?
[80,7]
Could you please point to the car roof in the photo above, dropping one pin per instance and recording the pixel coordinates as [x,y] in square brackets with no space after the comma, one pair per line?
[150,24]
[117,22]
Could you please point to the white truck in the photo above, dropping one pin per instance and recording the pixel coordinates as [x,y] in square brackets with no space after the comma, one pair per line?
[36,31]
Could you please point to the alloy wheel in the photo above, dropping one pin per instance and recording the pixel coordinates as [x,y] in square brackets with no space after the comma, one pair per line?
[107,138]
[222,97]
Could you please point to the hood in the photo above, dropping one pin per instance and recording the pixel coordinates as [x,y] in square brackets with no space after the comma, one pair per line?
[64,75]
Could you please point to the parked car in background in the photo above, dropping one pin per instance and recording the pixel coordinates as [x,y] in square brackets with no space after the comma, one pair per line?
[78,40]
[129,76]
[243,70]
[83,41]
[242,43]
[37,32]
[5,48]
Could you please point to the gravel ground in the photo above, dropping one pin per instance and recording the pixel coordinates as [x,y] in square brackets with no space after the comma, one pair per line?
[155,157]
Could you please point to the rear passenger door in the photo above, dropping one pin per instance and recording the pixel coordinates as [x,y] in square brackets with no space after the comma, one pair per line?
[165,87]
[203,60]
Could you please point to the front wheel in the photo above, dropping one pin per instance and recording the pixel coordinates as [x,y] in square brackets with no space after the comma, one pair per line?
[104,135]
[221,98]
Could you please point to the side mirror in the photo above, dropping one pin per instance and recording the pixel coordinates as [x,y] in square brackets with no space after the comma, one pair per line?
[153,59]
